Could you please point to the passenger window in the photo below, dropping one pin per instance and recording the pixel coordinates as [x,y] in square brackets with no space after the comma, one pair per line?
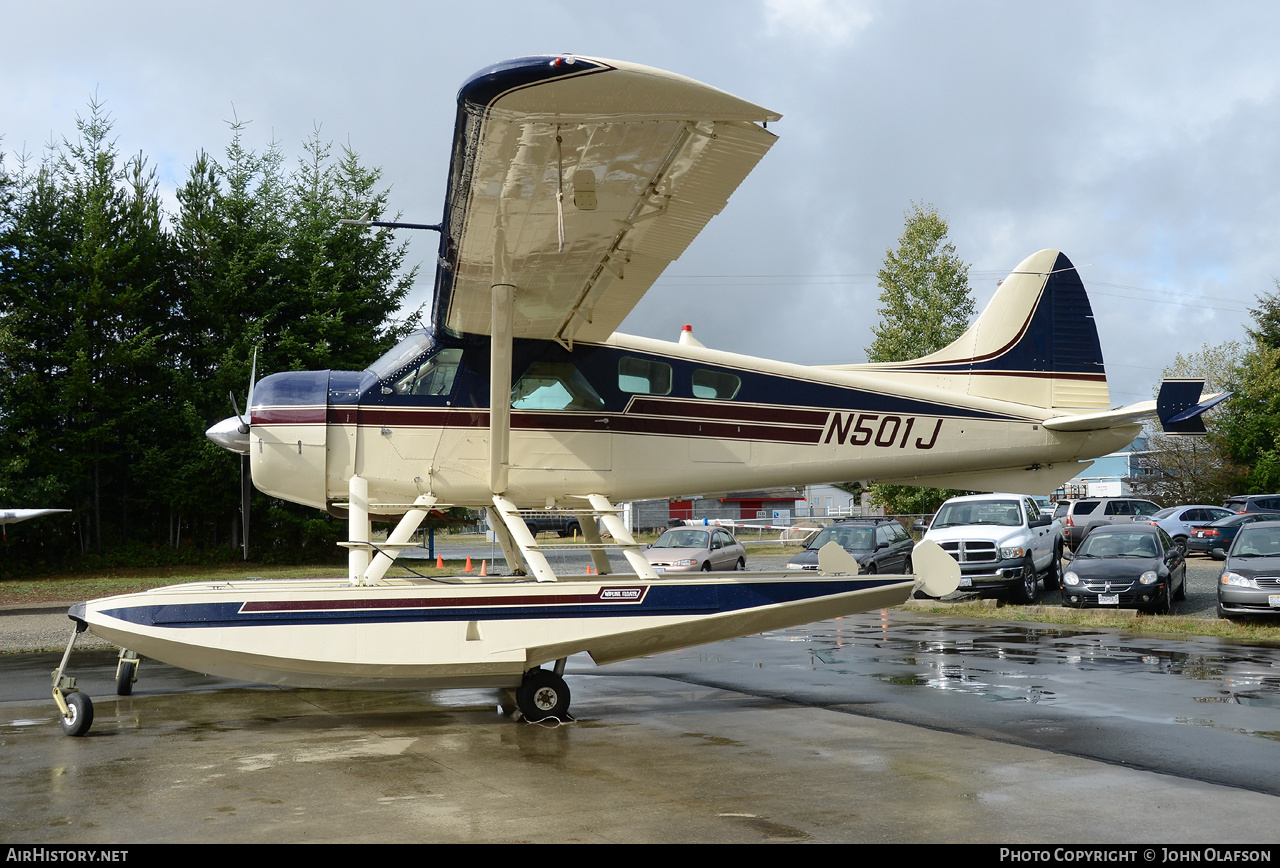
[716,385]
[644,377]
[554,386]
[432,377]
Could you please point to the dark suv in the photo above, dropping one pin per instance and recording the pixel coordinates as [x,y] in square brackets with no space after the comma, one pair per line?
[879,545]
[1086,514]
[1254,503]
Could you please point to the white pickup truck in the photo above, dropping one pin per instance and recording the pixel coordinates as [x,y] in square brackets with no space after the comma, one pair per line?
[1002,542]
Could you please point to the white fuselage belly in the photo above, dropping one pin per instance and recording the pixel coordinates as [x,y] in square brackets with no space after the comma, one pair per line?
[411,634]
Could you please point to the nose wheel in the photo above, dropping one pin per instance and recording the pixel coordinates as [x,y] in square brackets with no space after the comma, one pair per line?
[75,708]
[543,694]
[126,672]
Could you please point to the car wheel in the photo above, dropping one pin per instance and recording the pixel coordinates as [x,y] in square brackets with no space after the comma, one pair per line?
[1053,576]
[1181,543]
[740,565]
[907,567]
[1025,591]
[1163,604]
[1182,589]
[706,566]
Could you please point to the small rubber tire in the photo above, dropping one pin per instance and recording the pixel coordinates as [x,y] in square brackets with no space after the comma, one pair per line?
[543,694]
[125,677]
[80,718]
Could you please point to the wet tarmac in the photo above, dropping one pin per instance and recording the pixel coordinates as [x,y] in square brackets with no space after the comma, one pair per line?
[880,727]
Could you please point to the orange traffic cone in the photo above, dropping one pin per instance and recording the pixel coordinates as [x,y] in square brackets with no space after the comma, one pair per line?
[468,569]
[483,570]
[590,570]
[439,562]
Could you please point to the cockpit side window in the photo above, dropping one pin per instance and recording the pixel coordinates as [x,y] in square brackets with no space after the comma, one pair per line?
[717,385]
[643,376]
[554,386]
[434,376]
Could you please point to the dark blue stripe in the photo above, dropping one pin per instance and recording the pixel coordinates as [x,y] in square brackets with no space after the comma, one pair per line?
[661,600]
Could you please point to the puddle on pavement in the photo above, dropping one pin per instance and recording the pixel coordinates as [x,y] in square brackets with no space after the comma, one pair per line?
[1032,664]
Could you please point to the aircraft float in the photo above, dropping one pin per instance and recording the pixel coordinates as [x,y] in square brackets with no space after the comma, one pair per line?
[574,182]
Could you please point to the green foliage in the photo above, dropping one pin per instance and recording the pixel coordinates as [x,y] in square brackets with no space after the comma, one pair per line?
[1250,419]
[123,329]
[925,302]
[910,500]
[1194,469]
[1266,319]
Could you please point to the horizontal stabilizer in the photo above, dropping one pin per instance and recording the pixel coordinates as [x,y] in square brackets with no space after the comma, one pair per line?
[1180,408]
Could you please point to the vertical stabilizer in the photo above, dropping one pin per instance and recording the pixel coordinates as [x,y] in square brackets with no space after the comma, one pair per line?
[1035,343]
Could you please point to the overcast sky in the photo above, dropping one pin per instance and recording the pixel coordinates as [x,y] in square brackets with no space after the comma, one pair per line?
[1142,139]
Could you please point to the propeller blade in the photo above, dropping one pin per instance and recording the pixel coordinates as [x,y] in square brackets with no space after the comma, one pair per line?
[246,489]
[253,380]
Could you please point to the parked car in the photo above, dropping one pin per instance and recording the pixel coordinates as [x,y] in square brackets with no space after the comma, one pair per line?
[1254,503]
[879,545]
[688,550]
[1178,521]
[562,523]
[1250,580]
[1002,543]
[1090,512]
[1221,534]
[1129,565]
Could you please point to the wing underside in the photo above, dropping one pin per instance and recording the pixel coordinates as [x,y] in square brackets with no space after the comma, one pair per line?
[578,184]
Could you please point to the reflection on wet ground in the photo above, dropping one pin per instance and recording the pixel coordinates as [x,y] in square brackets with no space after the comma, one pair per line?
[1074,671]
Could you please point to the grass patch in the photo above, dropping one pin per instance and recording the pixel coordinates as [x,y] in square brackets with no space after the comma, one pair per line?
[1125,620]
[73,588]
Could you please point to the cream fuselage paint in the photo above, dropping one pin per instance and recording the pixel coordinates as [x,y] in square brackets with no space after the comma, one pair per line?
[556,455]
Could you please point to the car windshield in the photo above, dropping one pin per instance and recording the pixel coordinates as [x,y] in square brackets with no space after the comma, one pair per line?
[682,539]
[854,538]
[1257,542]
[1118,545]
[1004,513]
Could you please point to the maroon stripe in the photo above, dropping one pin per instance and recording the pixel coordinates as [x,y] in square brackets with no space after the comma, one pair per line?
[589,422]
[288,416]
[430,603]
[727,411]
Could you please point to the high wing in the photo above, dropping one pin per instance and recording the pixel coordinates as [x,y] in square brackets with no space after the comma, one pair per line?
[577,181]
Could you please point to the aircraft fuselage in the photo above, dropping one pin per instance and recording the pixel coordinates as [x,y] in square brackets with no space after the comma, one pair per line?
[630,418]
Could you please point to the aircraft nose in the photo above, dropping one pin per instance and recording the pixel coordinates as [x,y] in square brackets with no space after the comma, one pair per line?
[228,435]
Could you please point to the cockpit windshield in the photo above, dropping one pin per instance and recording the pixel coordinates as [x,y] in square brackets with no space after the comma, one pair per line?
[394,359]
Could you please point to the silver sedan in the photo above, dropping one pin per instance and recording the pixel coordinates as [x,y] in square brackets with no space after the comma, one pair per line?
[688,550]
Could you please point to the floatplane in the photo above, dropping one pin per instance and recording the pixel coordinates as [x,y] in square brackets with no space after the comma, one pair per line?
[574,182]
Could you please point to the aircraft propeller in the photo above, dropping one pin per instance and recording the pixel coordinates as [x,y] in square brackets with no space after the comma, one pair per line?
[232,434]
